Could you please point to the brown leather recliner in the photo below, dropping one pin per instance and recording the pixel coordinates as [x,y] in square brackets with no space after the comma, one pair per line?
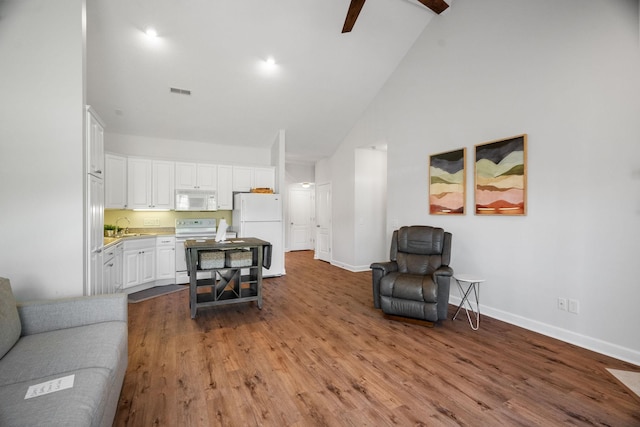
[415,283]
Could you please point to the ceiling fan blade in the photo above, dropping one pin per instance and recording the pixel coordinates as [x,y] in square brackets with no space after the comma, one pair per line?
[352,14]
[438,6]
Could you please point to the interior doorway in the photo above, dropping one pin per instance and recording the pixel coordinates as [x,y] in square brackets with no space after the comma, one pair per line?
[301,218]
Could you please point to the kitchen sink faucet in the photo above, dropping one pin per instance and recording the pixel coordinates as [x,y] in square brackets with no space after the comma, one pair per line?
[126,229]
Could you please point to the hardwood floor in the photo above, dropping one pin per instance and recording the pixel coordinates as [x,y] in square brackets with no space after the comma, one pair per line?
[319,354]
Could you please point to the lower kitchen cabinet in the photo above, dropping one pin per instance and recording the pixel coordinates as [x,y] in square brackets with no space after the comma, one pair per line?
[139,262]
[117,269]
[166,258]
[108,271]
[111,270]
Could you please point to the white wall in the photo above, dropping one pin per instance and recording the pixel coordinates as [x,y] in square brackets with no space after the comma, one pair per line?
[191,151]
[567,74]
[41,147]
[370,207]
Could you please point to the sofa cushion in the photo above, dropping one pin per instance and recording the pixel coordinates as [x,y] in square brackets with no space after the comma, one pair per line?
[80,405]
[10,327]
[63,351]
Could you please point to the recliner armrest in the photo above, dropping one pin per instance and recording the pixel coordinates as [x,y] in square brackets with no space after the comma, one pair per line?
[386,267]
[444,271]
[378,271]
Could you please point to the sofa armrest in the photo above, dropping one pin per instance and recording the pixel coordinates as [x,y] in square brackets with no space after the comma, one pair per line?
[51,315]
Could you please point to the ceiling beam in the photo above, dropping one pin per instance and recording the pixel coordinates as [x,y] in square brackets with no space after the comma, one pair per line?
[352,14]
[438,6]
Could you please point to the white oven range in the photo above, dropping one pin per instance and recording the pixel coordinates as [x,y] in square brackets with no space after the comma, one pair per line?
[187,229]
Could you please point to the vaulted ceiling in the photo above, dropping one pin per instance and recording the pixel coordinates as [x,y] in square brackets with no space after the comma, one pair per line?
[320,84]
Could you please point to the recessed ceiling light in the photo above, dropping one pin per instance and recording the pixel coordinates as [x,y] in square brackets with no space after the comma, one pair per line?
[151,32]
[271,62]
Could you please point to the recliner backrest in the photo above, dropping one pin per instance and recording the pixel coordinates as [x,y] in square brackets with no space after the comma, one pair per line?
[420,249]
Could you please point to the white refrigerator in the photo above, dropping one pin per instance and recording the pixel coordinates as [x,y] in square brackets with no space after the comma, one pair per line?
[260,215]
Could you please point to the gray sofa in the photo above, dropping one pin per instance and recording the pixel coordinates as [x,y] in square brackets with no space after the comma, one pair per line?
[47,340]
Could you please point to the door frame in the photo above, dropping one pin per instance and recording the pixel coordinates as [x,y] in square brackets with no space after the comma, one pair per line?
[324,255]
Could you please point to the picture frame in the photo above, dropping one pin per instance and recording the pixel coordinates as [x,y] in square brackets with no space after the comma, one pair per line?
[501,177]
[447,182]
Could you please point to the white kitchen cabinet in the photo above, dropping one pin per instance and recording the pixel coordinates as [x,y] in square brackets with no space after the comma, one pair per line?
[150,184]
[115,181]
[246,177]
[108,271]
[196,176]
[264,177]
[138,262]
[95,144]
[117,270]
[112,269]
[163,187]
[165,257]
[242,178]
[95,224]
[94,208]
[225,187]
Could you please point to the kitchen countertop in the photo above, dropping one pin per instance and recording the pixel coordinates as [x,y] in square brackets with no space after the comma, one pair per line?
[139,234]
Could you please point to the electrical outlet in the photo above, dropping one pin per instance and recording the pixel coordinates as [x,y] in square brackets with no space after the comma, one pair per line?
[574,306]
[151,221]
[562,304]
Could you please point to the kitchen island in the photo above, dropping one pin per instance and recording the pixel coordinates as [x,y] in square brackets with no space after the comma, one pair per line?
[226,261]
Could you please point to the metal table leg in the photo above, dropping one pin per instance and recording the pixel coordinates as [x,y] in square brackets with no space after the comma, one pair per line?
[467,304]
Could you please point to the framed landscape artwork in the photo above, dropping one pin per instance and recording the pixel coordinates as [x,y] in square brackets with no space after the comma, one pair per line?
[447,180]
[501,177]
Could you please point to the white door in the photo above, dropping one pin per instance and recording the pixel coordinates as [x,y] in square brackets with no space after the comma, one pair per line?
[323,226]
[300,219]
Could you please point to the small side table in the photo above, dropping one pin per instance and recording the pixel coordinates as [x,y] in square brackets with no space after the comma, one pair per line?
[473,283]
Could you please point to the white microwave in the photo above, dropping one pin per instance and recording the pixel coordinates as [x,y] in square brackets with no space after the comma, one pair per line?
[196,200]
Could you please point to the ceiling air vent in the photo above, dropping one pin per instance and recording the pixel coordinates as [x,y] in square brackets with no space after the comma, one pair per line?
[179,91]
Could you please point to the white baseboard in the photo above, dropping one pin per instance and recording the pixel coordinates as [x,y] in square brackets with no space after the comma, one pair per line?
[590,343]
[352,268]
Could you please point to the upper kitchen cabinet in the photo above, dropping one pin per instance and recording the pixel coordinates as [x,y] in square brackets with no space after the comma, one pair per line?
[264,177]
[115,182]
[95,144]
[225,187]
[196,176]
[245,178]
[150,184]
